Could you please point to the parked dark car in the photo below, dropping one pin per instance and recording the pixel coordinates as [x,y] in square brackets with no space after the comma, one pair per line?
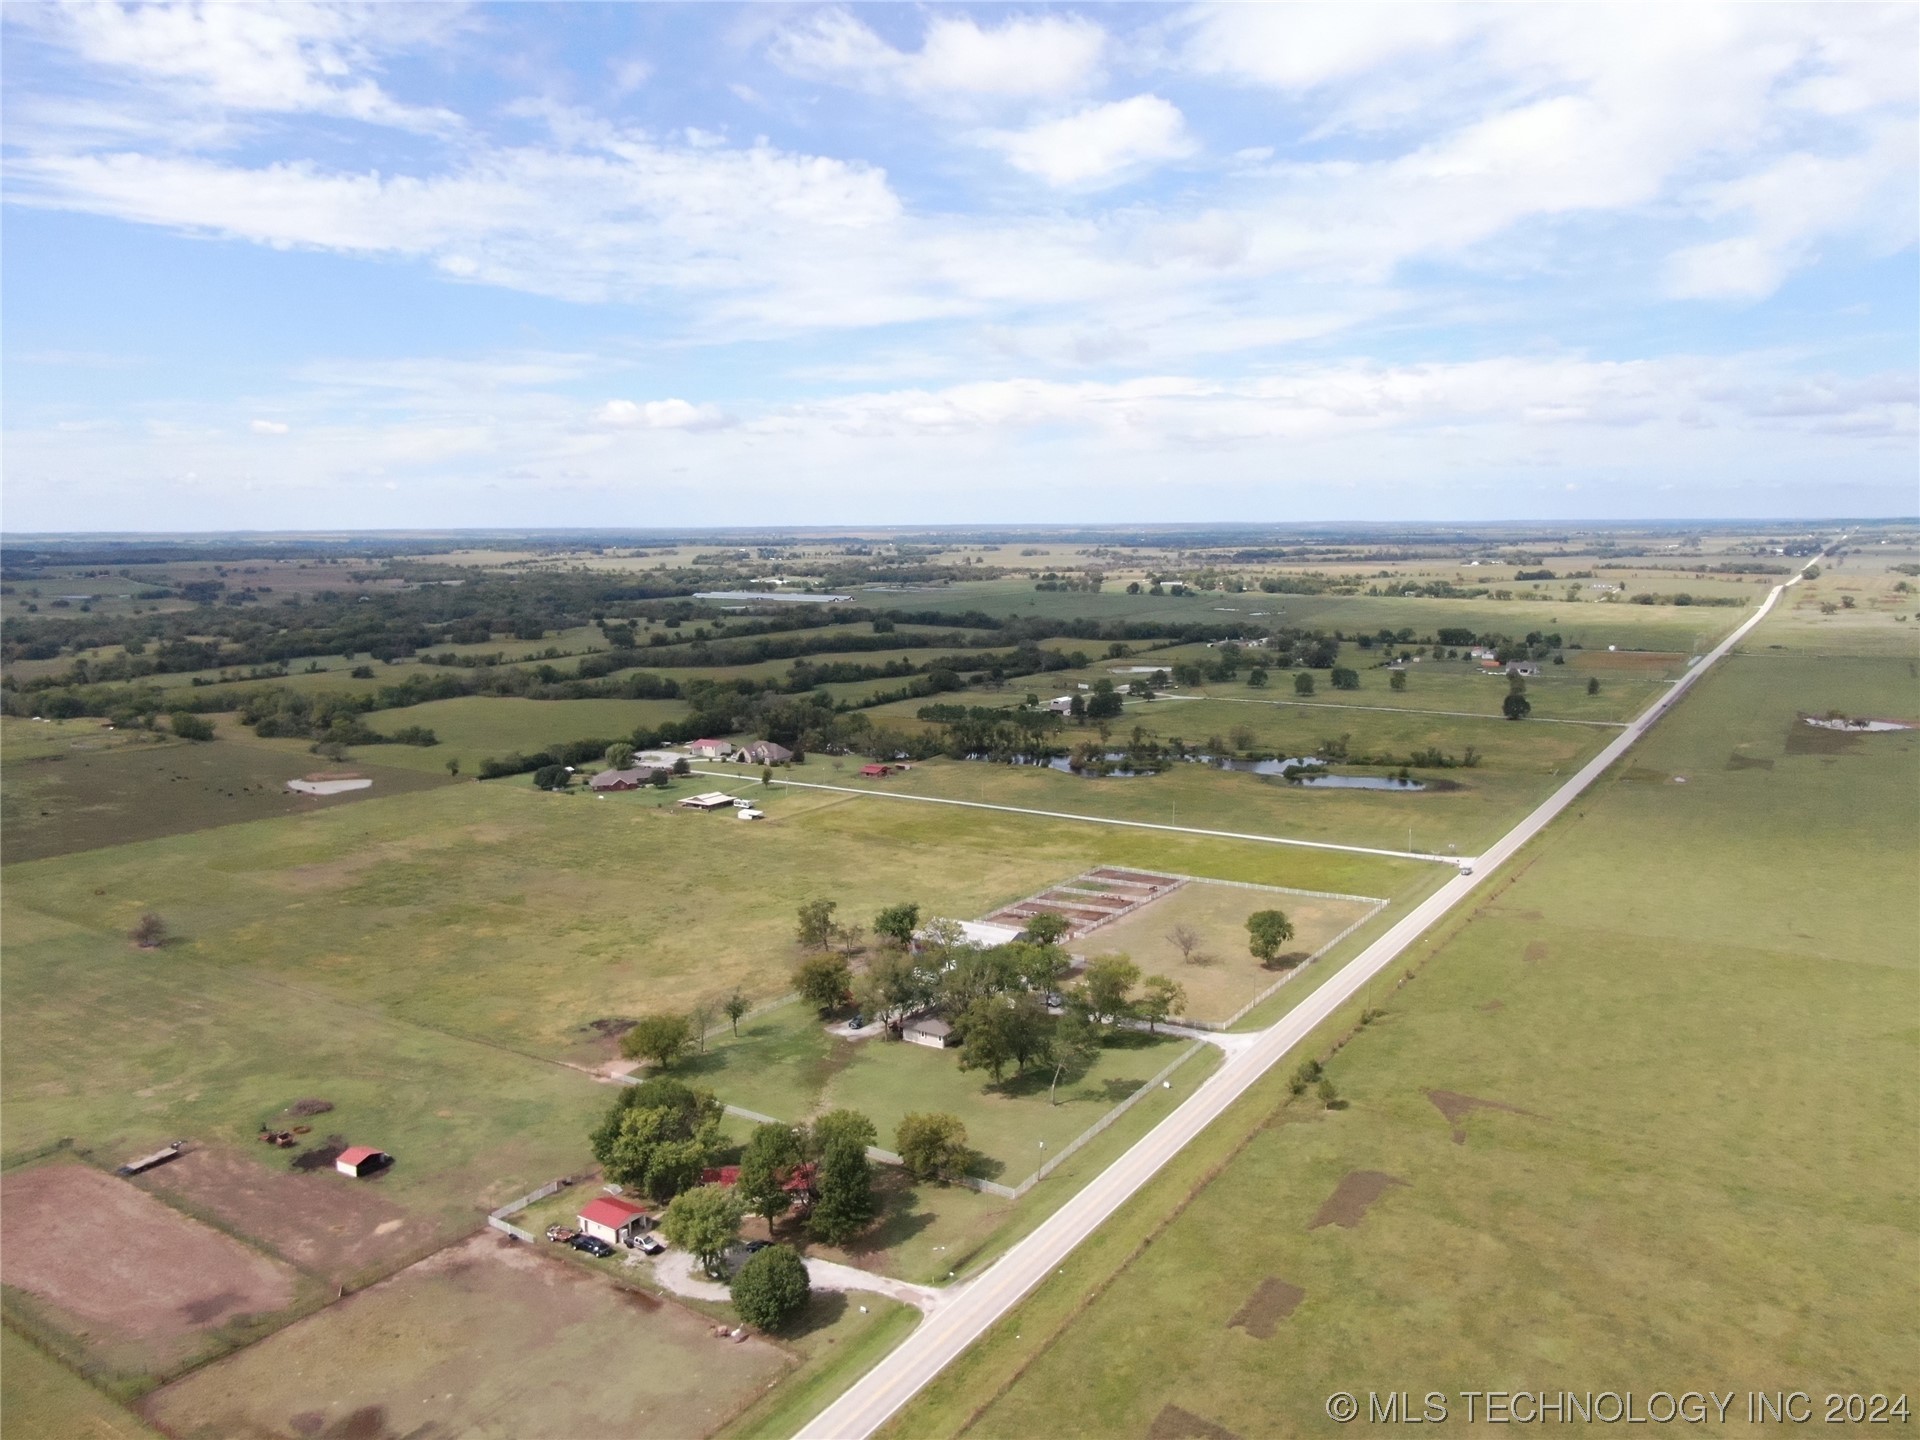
[754,1247]
[591,1245]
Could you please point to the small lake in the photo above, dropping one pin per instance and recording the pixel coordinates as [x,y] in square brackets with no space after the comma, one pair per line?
[1360,782]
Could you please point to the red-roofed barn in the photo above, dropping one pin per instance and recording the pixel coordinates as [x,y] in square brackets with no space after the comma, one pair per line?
[358,1160]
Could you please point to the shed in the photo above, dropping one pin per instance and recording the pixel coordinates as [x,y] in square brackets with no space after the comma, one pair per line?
[710,749]
[712,800]
[875,772]
[614,1220]
[724,1175]
[362,1160]
[931,1031]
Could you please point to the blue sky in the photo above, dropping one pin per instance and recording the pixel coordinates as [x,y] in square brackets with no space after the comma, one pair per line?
[425,265]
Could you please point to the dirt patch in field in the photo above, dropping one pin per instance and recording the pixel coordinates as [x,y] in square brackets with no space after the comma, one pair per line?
[1173,1423]
[326,1223]
[1805,739]
[1536,952]
[1492,1006]
[1353,1197]
[486,1337]
[1272,1301]
[1457,1107]
[116,1267]
[1737,761]
[610,1027]
[310,1107]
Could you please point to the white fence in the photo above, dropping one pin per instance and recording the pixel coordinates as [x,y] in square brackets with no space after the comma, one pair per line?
[498,1218]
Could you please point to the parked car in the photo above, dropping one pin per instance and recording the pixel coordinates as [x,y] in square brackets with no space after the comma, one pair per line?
[591,1245]
[754,1247]
[859,1022]
[651,1245]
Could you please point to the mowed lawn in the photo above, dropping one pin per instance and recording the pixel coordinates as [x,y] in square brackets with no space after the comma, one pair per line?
[785,1064]
[1699,1002]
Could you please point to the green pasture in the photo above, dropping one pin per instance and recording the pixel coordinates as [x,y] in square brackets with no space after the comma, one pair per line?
[1698,1001]
[506,914]
[473,728]
[1489,799]
[100,792]
[40,1397]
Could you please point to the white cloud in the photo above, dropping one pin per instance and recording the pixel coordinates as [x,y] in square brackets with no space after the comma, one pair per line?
[1100,144]
[671,414]
[268,427]
[253,57]
[1025,58]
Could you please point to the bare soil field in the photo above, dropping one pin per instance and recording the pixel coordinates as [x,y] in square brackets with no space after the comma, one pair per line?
[498,1340]
[324,1222]
[1353,1197]
[137,1285]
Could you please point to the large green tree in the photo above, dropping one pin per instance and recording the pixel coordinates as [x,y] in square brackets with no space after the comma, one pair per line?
[897,923]
[1161,997]
[814,924]
[933,1146]
[1267,931]
[843,1180]
[704,1221]
[765,1166]
[659,1038]
[823,980]
[658,1136]
[771,1288]
[1106,988]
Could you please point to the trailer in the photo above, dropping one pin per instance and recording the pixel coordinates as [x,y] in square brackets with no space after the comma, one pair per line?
[147,1162]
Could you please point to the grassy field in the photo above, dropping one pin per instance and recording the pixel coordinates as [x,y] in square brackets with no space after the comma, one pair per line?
[41,1397]
[786,1065]
[505,914]
[1467,810]
[82,799]
[502,1340]
[1652,1107]
[474,727]
[1223,975]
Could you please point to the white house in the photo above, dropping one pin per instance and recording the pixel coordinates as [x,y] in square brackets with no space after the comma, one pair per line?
[929,1030]
[710,749]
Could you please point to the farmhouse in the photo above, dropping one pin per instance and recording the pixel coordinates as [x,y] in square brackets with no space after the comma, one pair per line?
[614,1220]
[710,749]
[763,752]
[1061,705]
[631,778]
[1523,667]
[929,1030]
[361,1160]
[712,800]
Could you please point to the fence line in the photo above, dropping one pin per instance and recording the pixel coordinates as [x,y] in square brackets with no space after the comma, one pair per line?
[1105,1120]
[498,1218]
[1274,989]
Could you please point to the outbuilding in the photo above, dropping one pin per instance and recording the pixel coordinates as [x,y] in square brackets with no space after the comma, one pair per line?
[360,1161]
[710,749]
[712,800]
[929,1030]
[614,1220]
[875,772]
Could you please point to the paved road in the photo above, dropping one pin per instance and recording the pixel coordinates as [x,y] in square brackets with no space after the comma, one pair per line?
[1093,819]
[978,1303]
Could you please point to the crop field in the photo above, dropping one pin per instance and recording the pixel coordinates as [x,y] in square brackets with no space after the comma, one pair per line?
[1657,1083]
[500,1340]
[58,803]
[474,727]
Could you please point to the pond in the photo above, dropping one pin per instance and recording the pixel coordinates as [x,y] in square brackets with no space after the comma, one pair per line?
[1360,782]
[1115,762]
